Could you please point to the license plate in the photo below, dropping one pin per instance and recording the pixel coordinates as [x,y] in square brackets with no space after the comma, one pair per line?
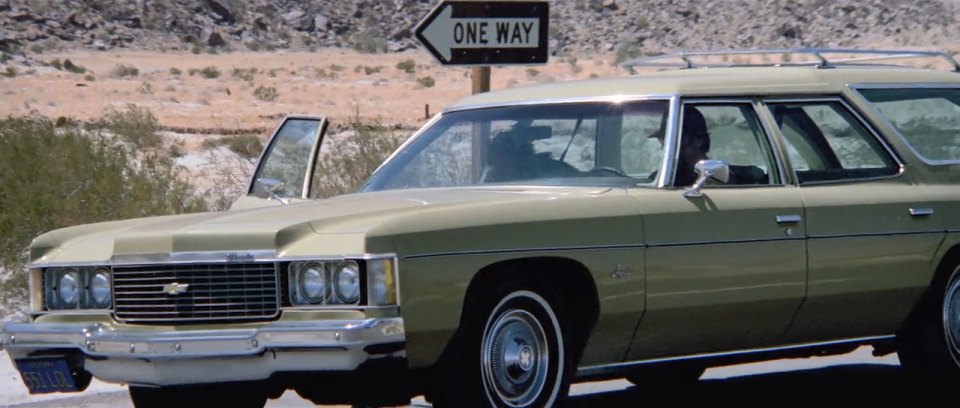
[46,375]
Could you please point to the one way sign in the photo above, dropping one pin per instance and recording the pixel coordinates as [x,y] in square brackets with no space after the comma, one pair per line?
[487,32]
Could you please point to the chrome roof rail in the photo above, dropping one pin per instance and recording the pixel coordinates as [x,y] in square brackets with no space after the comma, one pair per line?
[818,59]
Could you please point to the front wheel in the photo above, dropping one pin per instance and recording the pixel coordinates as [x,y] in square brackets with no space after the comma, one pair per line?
[512,354]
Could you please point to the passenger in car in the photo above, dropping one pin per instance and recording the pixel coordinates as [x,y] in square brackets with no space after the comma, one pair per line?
[511,157]
[694,146]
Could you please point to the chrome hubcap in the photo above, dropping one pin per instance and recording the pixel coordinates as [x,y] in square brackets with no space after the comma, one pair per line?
[515,358]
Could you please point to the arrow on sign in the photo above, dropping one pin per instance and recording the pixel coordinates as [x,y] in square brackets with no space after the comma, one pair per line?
[472,33]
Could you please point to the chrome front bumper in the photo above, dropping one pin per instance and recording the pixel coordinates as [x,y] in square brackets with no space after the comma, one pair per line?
[146,356]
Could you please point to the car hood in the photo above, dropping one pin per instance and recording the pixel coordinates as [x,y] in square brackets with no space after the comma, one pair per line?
[277,229]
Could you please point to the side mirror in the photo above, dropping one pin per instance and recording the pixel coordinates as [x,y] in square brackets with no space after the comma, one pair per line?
[718,170]
[267,189]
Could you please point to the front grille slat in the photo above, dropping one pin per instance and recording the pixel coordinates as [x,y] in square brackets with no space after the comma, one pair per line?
[210,293]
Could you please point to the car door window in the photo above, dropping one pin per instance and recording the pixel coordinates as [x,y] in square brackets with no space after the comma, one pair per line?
[727,132]
[825,142]
[287,159]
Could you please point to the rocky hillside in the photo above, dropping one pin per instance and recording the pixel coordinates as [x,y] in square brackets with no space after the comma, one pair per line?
[627,27]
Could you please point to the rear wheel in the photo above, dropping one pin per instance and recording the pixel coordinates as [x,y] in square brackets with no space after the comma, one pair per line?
[929,343]
[239,396]
[511,353]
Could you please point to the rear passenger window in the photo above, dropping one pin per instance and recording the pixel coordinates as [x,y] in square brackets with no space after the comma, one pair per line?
[929,119]
[825,142]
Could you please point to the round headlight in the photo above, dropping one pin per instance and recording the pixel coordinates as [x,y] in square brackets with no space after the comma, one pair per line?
[68,288]
[313,283]
[348,282]
[100,289]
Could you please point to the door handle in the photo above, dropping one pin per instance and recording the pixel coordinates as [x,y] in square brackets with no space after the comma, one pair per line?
[921,212]
[789,219]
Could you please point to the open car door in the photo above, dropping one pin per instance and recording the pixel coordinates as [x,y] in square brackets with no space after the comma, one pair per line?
[285,169]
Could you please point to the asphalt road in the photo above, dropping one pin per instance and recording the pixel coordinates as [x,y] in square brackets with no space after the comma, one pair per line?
[858,377]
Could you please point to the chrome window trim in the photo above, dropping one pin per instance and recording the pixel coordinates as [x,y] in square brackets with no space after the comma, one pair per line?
[857,87]
[754,103]
[863,122]
[604,369]
[176,258]
[670,139]
[558,101]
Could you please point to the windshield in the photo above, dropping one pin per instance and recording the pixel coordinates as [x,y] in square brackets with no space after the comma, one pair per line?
[607,144]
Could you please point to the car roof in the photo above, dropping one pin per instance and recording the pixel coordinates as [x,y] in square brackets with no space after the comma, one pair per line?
[706,82]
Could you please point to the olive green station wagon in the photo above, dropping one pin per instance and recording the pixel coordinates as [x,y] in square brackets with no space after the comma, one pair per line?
[645,227]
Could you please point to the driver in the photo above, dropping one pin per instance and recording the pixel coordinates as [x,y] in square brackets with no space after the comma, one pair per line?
[694,146]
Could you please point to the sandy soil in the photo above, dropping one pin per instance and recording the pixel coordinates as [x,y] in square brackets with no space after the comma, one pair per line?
[331,82]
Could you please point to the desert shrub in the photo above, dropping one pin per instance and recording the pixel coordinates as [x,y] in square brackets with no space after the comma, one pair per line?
[407,65]
[10,72]
[89,78]
[175,71]
[372,70]
[426,82]
[246,146]
[52,177]
[347,160]
[134,125]
[56,63]
[369,42]
[322,73]
[123,70]
[266,93]
[245,74]
[628,48]
[532,72]
[146,88]
[69,66]
[210,72]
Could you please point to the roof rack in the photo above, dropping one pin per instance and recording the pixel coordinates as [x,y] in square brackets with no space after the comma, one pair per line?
[688,59]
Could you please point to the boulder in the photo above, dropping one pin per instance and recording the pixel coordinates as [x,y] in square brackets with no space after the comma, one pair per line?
[225,9]
[215,39]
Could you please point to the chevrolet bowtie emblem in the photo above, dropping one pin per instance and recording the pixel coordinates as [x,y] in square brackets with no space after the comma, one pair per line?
[175,288]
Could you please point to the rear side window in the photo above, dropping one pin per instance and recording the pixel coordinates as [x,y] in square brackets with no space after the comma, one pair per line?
[929,119]
[825,142]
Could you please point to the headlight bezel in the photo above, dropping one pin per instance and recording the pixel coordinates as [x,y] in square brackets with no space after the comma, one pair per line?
[366,267]
[55,299]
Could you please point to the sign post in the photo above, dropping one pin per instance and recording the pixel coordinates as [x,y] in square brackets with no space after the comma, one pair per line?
[485,33]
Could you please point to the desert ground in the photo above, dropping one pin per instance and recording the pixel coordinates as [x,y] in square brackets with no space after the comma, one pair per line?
[185,94]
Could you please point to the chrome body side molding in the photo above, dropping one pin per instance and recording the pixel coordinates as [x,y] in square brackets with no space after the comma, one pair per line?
[610,369]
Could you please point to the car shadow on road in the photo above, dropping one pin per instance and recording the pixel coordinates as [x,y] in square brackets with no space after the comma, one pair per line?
[864,384]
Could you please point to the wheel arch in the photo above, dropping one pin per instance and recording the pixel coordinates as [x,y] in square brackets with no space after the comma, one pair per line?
[564,282]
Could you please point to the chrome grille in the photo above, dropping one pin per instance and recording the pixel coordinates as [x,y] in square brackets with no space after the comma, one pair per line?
[208,293]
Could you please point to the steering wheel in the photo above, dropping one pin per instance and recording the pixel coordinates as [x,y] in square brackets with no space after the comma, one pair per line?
[608,169]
